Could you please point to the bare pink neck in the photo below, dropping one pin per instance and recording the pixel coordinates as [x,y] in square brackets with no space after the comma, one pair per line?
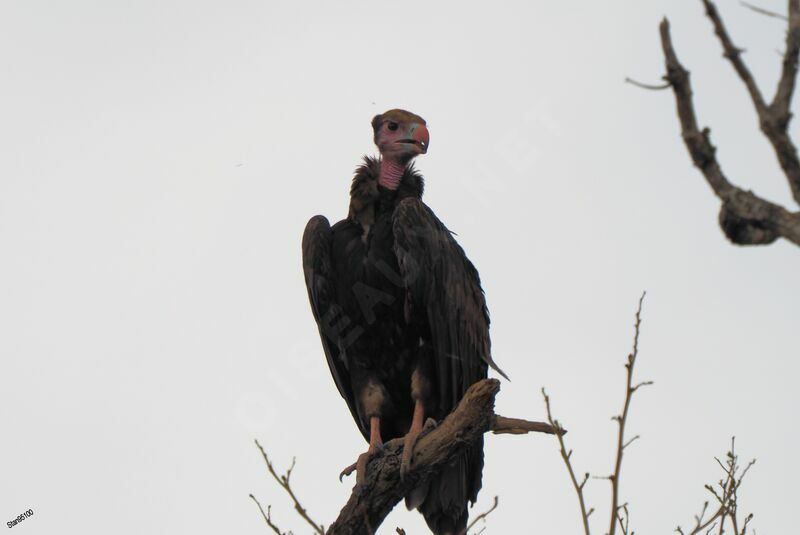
[390,174]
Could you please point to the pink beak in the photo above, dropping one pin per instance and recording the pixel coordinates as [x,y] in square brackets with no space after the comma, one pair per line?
[420,133]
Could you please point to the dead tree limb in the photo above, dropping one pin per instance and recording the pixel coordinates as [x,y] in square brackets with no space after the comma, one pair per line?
[383,488]
[566,456]
[619,513]
[516,426]
[285,483]
[762,11]
[621,420]
[745,218]
[726,495]
[268,516]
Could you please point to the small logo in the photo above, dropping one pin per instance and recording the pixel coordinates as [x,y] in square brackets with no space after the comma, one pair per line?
[20,518]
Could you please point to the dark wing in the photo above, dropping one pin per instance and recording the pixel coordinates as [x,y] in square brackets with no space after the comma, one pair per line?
[317,240]
[444,284]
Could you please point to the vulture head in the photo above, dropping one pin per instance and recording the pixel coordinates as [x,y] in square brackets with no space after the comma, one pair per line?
[400,135]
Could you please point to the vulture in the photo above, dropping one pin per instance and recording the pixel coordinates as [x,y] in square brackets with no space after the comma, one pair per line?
[401,314]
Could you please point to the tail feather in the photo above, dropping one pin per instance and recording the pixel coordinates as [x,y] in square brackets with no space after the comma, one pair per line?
[445,504]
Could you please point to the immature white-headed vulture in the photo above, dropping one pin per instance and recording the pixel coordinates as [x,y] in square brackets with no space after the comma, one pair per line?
[401,314]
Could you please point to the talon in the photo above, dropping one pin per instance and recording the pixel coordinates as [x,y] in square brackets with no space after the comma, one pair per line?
[347,471]
[375,445]
[361,467]
[430,423]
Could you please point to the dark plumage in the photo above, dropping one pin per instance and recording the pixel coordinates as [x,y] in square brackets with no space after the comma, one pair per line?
[401,313]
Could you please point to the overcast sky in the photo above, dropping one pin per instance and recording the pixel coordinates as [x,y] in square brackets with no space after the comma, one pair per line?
[160,160]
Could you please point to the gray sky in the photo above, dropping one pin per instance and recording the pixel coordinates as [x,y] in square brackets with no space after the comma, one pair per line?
[160,160]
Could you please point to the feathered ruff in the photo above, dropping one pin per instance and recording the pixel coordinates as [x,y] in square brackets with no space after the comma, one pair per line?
[364,189]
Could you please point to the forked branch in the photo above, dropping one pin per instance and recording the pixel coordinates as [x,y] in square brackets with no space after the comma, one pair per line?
[285,484]
[746,218]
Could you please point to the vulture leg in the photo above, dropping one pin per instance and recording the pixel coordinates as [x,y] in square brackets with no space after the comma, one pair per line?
[375,443]
[420,393]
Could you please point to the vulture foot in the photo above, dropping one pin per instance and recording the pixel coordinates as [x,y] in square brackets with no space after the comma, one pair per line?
[410,440]
[375,445]
[347,471]
[360,466]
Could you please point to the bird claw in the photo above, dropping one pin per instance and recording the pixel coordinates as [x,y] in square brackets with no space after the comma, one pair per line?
[347,471]
[360,466]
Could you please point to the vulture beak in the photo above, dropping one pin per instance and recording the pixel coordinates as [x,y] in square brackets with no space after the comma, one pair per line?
[418,137]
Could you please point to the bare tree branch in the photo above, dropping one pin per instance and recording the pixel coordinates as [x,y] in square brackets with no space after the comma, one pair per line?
[745,218]
[516,426]
[773,118]
[283,481]
[726,495]
[566,456]
[619,513]
[624,518]
[268,516]
[622,419]
[763,11]
[383,487]
[649,87]
[783,95]
[481,516]
[734,54]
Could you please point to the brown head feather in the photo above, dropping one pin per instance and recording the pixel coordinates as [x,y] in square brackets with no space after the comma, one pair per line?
[397,115]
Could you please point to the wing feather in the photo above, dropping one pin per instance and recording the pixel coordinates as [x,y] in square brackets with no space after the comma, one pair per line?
[444,283]
[317,268]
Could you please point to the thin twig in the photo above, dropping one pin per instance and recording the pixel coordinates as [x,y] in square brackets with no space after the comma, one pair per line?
[703,524]
[566,456]
[624,519]
[283,481]
[622,419]
[481,516]
[763,11]
[267,516]
[649,87]
[726,496]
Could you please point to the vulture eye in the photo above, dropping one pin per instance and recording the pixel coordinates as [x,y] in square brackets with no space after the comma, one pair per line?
[392,126]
